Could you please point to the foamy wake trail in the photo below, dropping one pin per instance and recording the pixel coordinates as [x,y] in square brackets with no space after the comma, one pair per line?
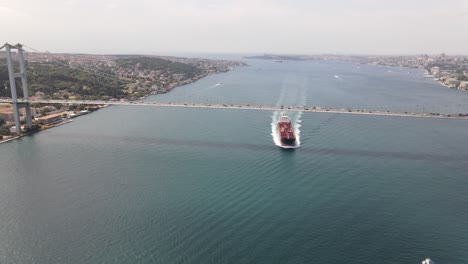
[295,116]
[274,131]
[275,117]
[212,86]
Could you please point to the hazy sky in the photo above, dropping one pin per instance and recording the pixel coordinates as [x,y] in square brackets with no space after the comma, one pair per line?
[254,26]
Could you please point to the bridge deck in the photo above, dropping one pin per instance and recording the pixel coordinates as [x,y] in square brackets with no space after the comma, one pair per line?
[312,109]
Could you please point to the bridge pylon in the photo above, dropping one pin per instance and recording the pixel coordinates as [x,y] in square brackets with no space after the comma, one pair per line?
[24,85]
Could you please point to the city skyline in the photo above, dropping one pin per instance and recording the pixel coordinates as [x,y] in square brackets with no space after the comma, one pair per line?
[185,26]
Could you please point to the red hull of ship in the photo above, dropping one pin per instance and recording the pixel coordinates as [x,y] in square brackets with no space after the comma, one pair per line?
[286,134]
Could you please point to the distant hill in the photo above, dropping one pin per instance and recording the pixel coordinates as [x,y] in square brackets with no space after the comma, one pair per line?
[278,57]
[57,77]
[158,64]
[109,76]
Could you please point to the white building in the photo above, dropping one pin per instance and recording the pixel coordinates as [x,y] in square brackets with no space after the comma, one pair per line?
[452,82]
[463,85]
[13,129]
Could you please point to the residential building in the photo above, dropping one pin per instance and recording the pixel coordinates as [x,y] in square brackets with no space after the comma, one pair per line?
[463,85]
[452,82]
[39,95]
[49,119]
[13,129]
[7,114]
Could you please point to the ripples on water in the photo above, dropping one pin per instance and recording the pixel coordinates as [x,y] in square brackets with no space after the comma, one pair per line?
[263,147]
[159,185]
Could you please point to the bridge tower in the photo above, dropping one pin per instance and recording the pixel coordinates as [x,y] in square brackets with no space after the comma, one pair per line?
[24,103]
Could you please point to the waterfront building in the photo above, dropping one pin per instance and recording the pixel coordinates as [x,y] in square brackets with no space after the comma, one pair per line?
[7,114]
[49,119]
[452,82]
[435,70]
[463,85]
[13,129]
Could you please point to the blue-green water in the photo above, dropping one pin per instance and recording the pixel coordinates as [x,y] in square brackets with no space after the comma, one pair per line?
[173,185]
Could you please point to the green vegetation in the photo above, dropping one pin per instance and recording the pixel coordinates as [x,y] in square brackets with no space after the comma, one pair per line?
[75,107]
[3,78]
[35,127]
[45,111]
[99,80]
[59,79]
[158,64]
[4,131]
[53,78]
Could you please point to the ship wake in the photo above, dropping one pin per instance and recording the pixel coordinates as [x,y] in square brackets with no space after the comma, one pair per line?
[275,135]
[290,95]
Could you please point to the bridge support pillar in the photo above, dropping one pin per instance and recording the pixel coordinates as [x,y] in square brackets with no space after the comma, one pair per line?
[24,85]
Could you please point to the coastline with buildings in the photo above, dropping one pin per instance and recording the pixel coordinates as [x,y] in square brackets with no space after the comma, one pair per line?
[142,76]
[115,77]
[449,70]
[109,77]
[45,116]
[112,78]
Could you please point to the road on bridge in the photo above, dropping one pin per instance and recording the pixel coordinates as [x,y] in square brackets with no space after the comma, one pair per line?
[312,109]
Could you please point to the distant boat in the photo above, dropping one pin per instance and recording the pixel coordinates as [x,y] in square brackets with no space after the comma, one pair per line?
[278,61]
[428,261]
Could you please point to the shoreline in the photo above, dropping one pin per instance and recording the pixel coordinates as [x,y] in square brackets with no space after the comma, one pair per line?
[69,120]
[104,104]
[266,108]
[185,82]
[427,74]
[32,133]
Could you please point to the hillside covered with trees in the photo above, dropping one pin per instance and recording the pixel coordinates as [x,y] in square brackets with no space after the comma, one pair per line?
[57,80]
[85,76]
[158,64]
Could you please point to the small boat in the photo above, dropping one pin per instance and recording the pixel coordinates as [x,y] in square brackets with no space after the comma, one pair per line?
[428,261]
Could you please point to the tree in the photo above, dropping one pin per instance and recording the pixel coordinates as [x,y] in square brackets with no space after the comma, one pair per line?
[45,111]
[4,131]
[462,77]
[34,128]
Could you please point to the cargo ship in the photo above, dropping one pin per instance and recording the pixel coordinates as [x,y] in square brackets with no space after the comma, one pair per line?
[286,131]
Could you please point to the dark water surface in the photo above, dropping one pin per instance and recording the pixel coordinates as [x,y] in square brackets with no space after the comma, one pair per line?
[162,185]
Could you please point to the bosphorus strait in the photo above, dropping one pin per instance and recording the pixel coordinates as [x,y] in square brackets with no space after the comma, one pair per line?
[178,185]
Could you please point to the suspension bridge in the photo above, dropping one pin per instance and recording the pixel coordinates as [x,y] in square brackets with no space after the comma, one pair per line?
[26,103]
[312,109]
